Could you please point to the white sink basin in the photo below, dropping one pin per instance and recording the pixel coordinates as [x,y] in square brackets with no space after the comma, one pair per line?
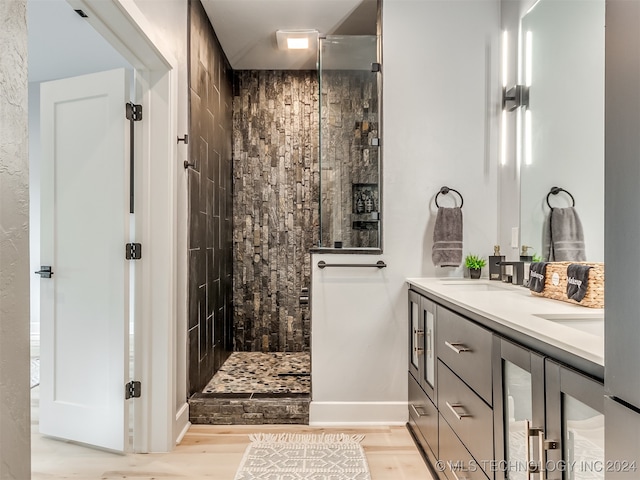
[592,323]
[471,286]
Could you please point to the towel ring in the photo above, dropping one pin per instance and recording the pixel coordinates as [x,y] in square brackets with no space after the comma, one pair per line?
[444,191]
[557,190]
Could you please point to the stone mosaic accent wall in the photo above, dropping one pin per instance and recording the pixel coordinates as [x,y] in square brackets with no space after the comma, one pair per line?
[275,209]
[249,409]
[15,437]
[210,201]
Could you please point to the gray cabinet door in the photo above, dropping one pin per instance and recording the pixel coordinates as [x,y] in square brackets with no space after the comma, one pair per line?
[518,408]
[622,437]
[416,335]
[422,324]
[548,418]
[428,372]
[575,425]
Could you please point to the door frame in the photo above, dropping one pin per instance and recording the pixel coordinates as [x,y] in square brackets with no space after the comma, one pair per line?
[161,423]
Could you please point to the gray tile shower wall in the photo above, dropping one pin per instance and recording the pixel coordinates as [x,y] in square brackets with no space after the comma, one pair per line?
[276,179]
[210,201]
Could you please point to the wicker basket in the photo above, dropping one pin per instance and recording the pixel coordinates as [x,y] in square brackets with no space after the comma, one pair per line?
[555,284]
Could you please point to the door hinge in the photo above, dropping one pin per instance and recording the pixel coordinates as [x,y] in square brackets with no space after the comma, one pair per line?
[132,390]
[133,111]
[133,251]
[376,67]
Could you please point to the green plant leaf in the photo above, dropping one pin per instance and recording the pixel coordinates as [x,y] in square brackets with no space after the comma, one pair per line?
[474,262]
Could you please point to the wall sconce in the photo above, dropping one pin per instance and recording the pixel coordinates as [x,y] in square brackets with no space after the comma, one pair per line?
[514,97]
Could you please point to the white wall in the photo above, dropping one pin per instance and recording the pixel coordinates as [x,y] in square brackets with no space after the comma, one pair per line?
[441,105]
[35,153]
[169,19]
[15,441]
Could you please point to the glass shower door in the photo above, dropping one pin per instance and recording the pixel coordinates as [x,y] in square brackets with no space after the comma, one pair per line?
[350,195]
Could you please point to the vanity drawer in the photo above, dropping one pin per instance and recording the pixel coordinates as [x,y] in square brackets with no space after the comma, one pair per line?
[458,463]
[423,415]
[467,414]
[466,348]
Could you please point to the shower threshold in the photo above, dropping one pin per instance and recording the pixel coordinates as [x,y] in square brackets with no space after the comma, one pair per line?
[254,388]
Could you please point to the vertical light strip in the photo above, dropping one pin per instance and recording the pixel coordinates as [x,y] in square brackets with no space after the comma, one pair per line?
[505,57]
[503,139]
[519,136]
[503,125]
[528,158]
[528,58]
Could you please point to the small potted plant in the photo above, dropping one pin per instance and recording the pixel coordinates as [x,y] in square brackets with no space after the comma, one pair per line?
[474,263]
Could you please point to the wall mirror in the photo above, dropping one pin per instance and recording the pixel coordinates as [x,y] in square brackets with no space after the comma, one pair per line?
[562,130]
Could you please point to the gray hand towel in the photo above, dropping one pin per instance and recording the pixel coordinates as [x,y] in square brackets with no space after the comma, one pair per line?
[537,276]
[447,238]
[564,238]
[577,281]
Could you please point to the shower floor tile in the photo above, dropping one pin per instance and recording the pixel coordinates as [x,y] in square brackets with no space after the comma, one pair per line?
[257,372]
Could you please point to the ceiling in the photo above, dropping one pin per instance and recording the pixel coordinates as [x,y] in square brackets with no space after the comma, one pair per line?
[63,44]
[247,28]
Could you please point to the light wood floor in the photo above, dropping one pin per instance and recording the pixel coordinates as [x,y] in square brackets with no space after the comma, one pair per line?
[213,452]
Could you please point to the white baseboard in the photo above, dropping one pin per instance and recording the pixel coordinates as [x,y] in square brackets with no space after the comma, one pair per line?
[358,413]
[182,423]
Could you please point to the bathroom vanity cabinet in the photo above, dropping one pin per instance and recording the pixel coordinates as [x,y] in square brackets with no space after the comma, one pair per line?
[496,408]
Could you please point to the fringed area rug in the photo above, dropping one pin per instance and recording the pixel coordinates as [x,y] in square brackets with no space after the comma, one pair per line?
[290,456]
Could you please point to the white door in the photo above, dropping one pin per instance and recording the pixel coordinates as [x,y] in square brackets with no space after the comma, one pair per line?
[84,229]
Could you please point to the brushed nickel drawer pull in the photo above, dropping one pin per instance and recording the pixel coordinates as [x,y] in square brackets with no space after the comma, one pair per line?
[429,346]
[453,407]
[418,350]
[419,414]
[457,347]
[418,332]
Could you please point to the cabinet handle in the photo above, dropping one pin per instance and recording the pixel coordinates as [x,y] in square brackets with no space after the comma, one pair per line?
[541,456]
[419,414]
[429,346]
[418,350]
[527,449]
[457,347]
[453,407]
[418,332]
[543,446]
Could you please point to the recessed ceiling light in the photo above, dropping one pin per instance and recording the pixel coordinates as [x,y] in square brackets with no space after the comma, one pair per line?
[296,39]
[297,43]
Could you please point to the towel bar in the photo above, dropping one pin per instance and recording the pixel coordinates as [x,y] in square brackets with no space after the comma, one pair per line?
[557,190]
[378,264]
[444,191]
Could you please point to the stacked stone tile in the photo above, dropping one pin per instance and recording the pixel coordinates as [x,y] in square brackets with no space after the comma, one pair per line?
[276,181]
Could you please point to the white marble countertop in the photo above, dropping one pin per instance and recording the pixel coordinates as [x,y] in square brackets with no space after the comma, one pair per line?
[571,328]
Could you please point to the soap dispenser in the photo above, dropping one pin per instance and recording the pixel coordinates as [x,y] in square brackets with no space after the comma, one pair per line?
[524,255]
[494,263]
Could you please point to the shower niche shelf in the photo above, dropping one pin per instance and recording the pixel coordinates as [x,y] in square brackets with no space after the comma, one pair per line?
[365,206]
